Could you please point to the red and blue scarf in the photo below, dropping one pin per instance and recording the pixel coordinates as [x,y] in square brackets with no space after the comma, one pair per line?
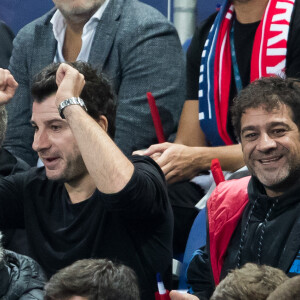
[268,58]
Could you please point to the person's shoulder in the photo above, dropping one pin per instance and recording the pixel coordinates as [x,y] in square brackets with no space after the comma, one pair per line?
[29,28]
[230,191]
[5,30]
[23,260]
[28,278]
[140,14]
[141,159]
[234,186]
[146,163]
[142,11]
[30,176]
[205,25]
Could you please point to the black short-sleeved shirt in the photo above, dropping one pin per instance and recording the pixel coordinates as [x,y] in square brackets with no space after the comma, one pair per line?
[133,226]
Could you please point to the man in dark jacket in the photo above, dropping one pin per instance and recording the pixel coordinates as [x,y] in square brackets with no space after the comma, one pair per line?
[20,276]
[6,37]
[256,219]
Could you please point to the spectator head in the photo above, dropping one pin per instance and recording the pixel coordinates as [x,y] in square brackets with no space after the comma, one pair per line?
[270,93]
[93,279]
[3,123]
[288,290]
[266,117]
[250,282]
[97,93]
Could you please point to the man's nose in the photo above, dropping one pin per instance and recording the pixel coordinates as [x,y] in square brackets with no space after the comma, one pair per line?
[41,141]
[266,143]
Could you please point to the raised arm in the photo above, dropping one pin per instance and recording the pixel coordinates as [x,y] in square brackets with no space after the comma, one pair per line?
[107,165]
[8,86]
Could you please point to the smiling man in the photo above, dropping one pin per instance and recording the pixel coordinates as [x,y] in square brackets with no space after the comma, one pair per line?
[89,200]
[258,220]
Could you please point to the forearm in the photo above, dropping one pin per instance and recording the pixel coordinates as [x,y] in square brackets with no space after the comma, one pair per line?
[107,165]
[189,132]
[180,162]
[230,157]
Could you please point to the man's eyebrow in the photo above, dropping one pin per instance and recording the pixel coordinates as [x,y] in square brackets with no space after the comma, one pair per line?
[60,120]
[247,128]
[269,125]
[273,124]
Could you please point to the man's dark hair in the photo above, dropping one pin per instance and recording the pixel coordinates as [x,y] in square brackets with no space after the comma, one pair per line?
[250,282]
[97,93]
[270,93]
[94,279]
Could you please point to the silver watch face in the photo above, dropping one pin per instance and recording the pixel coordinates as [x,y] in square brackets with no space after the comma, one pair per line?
[70,101]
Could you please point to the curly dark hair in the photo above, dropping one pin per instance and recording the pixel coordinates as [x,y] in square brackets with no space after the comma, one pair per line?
[270,93]
[97,93]
[94,279]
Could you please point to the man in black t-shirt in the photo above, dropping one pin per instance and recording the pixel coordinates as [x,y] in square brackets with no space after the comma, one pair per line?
[89,200]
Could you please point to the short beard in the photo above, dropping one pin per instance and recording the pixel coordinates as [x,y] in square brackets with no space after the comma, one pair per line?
[74,172]
[80,14]
[287,183]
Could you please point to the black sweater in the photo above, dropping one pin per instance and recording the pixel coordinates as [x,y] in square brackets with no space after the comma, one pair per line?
[133,226]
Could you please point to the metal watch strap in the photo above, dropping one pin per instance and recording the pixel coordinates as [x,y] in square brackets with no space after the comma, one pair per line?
[70,101]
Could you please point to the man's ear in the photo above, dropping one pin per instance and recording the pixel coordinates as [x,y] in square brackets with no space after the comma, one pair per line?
[103,123]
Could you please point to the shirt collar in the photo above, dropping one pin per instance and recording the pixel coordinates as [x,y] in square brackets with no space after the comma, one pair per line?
[59,23]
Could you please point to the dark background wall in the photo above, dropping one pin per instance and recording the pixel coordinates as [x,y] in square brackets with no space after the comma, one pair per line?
[17,13]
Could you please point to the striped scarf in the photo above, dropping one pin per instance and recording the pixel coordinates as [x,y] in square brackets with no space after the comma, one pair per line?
[268,58]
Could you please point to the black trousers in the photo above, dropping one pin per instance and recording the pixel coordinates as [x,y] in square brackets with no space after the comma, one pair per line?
[183,197]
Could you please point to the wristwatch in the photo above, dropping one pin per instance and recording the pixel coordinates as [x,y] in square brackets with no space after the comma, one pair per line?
[70,101]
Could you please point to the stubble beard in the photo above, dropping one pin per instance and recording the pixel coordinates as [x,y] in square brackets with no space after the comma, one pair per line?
[74,171]
[79,14]
[285,178]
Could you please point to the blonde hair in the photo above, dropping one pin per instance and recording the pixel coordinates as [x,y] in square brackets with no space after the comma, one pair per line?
[250,282]
[288,290]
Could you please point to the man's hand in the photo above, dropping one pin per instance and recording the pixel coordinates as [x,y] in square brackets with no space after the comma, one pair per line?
[8,86]
[176,161]
[69,81]
[174,295]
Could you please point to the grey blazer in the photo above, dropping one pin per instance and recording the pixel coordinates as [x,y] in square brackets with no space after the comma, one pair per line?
[138,50]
